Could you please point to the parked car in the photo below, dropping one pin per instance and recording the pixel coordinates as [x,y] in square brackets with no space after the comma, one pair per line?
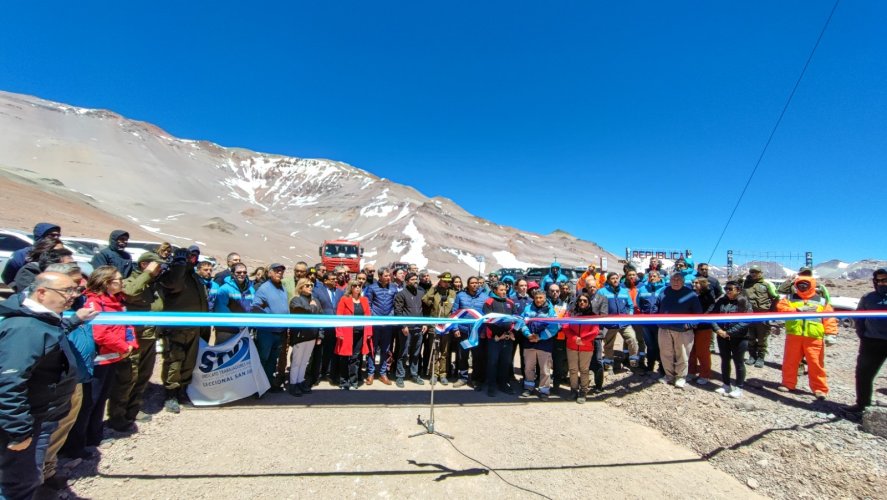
[10,241]
[515,272]
[535,274]
[86,246]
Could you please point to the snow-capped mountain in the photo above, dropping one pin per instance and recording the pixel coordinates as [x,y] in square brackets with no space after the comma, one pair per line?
[266,207]
[856,270]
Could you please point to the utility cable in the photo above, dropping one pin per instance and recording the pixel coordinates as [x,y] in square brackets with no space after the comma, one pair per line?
[773,131]
[485,466]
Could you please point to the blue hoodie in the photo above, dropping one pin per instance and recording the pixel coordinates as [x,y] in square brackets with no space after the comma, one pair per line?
[554,276]
[19,258]
[464,300]
[647,294]
[547,332]
[618,302]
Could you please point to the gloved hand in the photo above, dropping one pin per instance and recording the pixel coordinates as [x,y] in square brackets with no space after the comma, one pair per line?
[180,257]
[831,340]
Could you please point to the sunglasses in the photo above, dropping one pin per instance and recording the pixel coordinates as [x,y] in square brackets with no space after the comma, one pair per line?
[731,288]
[241,273]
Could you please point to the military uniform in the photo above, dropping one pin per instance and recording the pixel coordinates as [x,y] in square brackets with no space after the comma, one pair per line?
[439,303]
[182,291]
[131,375]
[762,296]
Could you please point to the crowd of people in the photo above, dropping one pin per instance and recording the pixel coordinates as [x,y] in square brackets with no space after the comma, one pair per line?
[62,380]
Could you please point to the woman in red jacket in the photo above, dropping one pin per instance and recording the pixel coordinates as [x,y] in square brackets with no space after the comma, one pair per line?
[580,348]
[104,293]
[353,342]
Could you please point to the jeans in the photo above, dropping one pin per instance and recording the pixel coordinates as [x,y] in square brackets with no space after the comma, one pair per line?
[478,358]
[872,353]
[561,373]
[651,339]
[383,335]
[268,344]
[733,349]
[410,350]
[21,472]
[500,364]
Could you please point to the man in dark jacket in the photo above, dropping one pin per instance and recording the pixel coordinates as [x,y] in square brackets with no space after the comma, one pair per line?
[323,359]
[872,334]
[19,258]
[115,254]
[38,377]
[408,302]
[182,291]
[232,260]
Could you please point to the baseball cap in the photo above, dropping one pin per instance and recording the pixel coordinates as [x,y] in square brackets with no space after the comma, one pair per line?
[150,257]
[755,268]
[276,266]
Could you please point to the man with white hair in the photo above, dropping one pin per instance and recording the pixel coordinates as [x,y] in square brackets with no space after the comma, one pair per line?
[37,380]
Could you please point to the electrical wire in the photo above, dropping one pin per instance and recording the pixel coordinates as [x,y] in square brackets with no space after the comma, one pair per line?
[776,126]
[485,466]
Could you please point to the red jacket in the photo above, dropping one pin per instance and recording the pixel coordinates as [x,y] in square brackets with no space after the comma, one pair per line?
[110,339]
[586,332]
[345,334]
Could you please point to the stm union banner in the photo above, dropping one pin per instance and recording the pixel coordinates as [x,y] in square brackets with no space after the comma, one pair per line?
[227,372]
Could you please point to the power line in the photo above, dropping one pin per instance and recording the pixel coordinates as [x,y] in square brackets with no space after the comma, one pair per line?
[776,126]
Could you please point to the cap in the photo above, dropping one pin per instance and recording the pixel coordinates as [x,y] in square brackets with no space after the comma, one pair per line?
[447,276]
[492,274]
[805,269]
[194,249]
[755,268]
[150,257]
[276,265]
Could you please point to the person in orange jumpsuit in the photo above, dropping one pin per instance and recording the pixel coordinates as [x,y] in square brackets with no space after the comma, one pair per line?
[804,337]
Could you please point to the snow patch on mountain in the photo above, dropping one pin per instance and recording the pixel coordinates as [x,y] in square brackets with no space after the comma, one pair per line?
[417,243]
[507,259]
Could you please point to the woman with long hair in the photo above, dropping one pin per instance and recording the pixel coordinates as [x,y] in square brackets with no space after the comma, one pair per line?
[259,276]
[104,293]
[302,339]
[353,343]
[582,342]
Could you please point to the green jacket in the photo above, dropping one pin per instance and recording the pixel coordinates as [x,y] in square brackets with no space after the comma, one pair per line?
[140,293]
[438,302]
[760,293]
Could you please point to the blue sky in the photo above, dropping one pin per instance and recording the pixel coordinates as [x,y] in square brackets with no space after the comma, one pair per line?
[626,123]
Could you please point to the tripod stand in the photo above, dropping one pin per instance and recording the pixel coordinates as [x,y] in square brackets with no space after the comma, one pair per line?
[429,423]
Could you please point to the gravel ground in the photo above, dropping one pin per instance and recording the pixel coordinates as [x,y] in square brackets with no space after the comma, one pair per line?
[783,445]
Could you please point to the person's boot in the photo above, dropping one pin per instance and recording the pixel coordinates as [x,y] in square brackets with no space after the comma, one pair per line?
[759,363]
[599,380]
[306,387]
[172,402]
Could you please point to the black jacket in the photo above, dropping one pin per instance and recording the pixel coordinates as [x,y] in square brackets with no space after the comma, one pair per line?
[301,304]
[38,371]
[25,276]
[111,256]
[407,303]
[736,330]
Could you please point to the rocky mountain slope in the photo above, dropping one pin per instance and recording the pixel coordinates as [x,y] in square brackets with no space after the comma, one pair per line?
[265,206]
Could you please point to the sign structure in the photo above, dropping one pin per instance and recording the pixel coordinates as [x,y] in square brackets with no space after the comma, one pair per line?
[640,254]
[227,372]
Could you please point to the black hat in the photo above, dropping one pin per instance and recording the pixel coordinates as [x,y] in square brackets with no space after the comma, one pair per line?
[194,249]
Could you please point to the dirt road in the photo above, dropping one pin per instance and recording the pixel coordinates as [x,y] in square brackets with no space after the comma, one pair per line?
[335,444]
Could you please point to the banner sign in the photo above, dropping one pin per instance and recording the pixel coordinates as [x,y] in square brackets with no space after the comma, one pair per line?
[227,372]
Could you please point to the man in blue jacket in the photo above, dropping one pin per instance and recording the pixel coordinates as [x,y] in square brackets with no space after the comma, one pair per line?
[380,295]
[271,298]
[470,298]
[554,276]
[618,303]
[676,340]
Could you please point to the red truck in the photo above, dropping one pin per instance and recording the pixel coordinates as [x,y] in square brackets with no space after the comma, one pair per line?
[341,253]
